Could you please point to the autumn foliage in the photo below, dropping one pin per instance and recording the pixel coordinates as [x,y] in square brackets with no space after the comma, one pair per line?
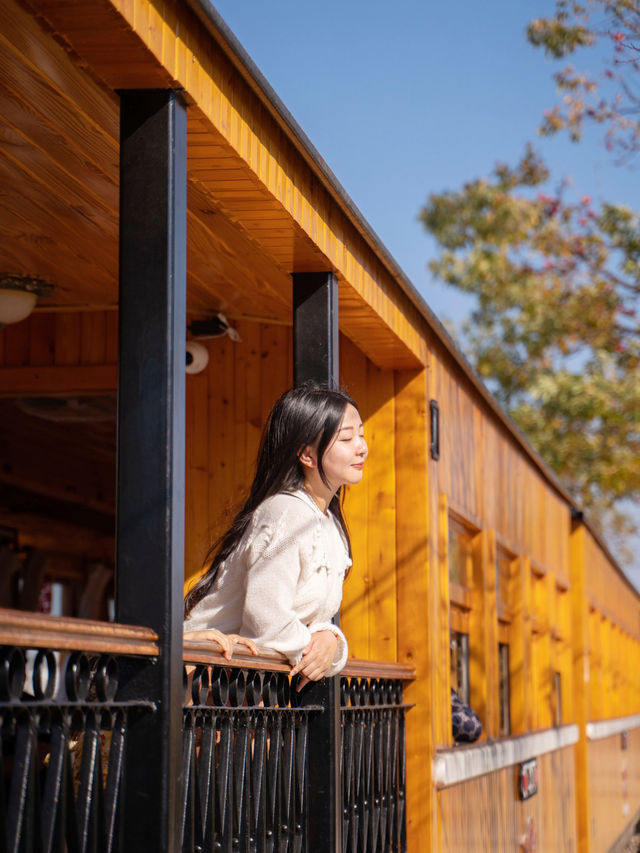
[555,333]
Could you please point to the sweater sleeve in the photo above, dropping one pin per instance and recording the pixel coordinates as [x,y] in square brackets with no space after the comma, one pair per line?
[273,571]
[342,650]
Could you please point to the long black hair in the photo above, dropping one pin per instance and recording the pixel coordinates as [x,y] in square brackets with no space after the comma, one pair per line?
[309,414]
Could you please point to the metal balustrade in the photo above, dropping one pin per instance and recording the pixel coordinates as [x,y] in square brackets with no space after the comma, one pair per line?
[373,763]
[68,713]
[64,730]
[245,758]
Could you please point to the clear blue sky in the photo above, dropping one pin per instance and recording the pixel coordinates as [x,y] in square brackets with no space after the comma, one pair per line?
[415,97]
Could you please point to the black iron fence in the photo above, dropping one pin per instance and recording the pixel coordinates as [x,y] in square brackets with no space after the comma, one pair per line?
[246,746]
[246,733]
[64,730]
[373,760]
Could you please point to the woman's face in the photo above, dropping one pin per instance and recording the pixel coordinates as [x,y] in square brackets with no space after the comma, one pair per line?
[343,460]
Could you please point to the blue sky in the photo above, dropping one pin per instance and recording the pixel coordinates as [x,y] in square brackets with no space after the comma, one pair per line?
[415,97]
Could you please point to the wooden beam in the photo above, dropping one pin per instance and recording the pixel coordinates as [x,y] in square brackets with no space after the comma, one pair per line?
[57,493]
[59,537]
[67,380]
[580,643]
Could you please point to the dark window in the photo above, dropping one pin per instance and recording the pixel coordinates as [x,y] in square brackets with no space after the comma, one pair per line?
[459,652]
[503,669]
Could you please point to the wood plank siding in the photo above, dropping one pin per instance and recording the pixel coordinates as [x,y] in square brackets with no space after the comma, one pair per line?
[486,813]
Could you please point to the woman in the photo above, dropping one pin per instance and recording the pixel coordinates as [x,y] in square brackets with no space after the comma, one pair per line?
[276,575]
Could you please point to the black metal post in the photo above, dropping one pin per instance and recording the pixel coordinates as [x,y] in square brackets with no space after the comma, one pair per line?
[315,356]
[315,328]
[151,437]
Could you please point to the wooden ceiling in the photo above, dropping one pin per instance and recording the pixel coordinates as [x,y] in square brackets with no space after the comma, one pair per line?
[59,178]
[60,66]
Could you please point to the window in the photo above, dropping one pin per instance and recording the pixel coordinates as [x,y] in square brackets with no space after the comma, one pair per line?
[459,657]
[460,570]
[504,690]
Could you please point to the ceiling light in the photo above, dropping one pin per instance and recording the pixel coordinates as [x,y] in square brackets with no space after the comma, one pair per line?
[18,296]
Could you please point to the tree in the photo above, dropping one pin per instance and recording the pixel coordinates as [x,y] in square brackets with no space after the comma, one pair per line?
[555,331]
[612,96]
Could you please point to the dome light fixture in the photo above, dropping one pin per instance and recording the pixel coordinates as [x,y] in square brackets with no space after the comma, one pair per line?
[18,296]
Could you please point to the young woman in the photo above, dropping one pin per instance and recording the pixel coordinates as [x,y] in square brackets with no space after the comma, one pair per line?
[276,575]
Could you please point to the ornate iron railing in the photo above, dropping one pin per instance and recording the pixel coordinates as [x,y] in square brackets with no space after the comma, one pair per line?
[69,705]
[373,757]
[64,730]
[245,735]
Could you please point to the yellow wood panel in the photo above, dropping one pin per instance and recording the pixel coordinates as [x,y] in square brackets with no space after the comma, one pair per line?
[354,613]
[253,370]
[580,650]
[222,469]
[595,667]
[486,814]
[196,470]
[542,587]
[275,350]
[607,668]
[520,646]
[415,591]
[381,486]
[441,675]
[227,405]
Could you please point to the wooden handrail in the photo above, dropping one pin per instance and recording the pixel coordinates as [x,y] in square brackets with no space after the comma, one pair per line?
[37,630]
[205,652]
[361,668]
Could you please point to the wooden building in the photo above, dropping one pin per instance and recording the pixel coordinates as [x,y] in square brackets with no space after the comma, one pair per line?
[473,567]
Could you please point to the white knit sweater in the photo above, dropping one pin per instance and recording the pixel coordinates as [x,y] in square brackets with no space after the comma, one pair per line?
[284,580]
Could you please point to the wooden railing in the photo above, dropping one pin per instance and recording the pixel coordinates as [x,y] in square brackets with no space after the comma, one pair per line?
[68,715]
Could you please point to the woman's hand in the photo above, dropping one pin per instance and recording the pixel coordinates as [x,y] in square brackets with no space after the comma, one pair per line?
[317,657]
[225,641]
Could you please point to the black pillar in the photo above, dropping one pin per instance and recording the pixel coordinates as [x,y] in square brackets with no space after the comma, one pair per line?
[315,328]
[151,448]
[315,356]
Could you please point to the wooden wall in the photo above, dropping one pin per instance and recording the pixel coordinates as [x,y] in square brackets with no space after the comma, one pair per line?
[485,481]
[485,475]
[614,787]
[486,814]
[227,405]
[74,340]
